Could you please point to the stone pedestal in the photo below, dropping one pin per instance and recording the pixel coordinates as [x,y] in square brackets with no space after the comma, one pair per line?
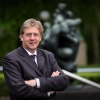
[81,59]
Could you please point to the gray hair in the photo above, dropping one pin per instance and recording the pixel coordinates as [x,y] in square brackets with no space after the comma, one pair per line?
[32,23]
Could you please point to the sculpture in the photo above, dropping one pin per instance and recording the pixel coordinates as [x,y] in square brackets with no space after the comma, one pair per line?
[62,37]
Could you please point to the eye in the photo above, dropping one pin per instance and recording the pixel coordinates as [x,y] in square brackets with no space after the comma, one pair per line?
[35,34]
[28,34]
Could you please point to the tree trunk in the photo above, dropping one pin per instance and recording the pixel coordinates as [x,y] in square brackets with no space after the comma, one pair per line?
[95,45]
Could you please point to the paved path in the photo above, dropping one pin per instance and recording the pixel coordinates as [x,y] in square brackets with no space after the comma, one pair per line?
[1,68]
[88,70]
[4,98]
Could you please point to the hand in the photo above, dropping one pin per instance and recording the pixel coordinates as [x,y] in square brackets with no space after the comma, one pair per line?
[31,82]
[56,73]
[52,92]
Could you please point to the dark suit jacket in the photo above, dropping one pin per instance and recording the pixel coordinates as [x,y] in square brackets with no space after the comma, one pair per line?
[18,66]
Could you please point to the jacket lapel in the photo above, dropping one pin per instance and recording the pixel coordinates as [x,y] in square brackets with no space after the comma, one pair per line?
[27,59]
[40,60]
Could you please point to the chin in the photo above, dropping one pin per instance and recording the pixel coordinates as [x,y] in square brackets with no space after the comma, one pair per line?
[32,48]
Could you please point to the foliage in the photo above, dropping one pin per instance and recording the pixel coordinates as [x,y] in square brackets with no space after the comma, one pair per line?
[3,86]
[93,76]
[90,66]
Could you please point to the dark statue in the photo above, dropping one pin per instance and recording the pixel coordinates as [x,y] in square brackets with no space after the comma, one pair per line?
[62,37]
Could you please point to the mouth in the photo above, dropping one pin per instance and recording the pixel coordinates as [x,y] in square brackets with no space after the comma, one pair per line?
[32,43]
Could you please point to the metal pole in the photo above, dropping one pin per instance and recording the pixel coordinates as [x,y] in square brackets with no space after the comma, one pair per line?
[81,79]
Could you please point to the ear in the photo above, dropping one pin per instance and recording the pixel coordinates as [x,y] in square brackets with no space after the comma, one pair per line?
[40,38]
[21,37]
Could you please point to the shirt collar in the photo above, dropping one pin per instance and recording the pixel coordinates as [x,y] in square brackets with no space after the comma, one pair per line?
[35,53]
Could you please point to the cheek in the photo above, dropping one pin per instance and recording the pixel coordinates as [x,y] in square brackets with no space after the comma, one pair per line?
[24,39]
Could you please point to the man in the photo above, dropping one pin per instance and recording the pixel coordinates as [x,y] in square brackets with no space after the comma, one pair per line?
[32,78]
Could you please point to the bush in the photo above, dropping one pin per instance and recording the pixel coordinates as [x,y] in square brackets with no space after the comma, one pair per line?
[93,76]
[3,87]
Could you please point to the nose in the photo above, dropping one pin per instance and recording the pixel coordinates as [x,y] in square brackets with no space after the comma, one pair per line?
[32,37]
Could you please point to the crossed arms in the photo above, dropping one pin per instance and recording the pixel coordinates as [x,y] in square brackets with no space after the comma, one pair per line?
[33,82]
[28,88]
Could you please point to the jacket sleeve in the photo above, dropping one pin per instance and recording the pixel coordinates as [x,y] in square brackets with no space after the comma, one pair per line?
[16,84]
[57,83]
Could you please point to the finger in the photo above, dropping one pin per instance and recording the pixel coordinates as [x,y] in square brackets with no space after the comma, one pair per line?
[57,73]
[53,74]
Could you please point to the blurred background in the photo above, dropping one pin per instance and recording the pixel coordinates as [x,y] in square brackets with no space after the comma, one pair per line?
[13,13]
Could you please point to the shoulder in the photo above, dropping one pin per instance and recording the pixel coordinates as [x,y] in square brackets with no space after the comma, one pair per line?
[12,53]
[45,52]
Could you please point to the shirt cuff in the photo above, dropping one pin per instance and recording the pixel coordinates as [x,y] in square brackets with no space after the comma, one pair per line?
[48,94]
[37,82]
[38,85]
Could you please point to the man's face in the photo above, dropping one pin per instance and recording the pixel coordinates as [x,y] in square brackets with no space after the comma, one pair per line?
[31,38]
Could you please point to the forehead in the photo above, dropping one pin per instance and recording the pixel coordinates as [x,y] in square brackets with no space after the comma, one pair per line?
[31,30]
